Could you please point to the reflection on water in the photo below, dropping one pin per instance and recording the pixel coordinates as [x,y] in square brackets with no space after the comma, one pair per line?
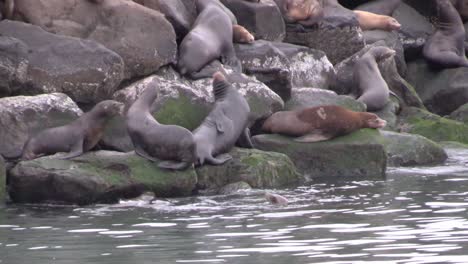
[417,215]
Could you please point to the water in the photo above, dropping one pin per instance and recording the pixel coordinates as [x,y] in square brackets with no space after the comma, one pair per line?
[417,215]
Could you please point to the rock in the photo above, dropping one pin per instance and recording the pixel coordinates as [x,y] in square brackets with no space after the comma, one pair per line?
[122,26]
[102,176]
[22,116]
[283,66]
[389,114]
[185,102]
[258,168]
[418,121]
[85,70]
[235,187]
[461,114]
[412,150]
[415,29]
[3,181]
[311,97]
[263,19]
[335,15]
[359,155]
[442,92]
[13,65]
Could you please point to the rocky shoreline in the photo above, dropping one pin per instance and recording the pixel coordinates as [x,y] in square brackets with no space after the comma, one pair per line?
[59,65]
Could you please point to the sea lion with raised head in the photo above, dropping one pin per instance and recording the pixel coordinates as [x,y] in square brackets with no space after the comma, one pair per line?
[371,21]
[224,125]
[75,138]
[446,47]
[172,144]
[314,124]
[372,88]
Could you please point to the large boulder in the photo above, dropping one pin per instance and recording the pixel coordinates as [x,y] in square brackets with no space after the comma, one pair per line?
[102,176]
[3,181]
[262,19]
[359,155]
[141,36]
[412,150]
[85,70]
[22,116]
[185,102]
[442,91]
[312,97]
[13,65]
[461,114]
[258,168]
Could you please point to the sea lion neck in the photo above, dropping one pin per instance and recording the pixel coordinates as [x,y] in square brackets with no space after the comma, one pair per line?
[220,89]
[147,97]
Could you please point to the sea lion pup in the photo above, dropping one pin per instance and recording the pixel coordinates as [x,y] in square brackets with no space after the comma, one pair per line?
[7,10]
[446,47]
[303,12]
[276,198]
[171,143]
[224,125]
[75,138]
[373,90]
[371,21]
[314,124]
[380,7]
[210,38]
[241,35]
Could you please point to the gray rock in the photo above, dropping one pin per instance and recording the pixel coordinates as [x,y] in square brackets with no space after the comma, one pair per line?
[13,65]
[3,181]
[412,150]
[389,114]
[22,116]
[311,97]
[102,176]
[235,187]
[461,114]
[185,102]
[85,70]
[359,155]
[122,26]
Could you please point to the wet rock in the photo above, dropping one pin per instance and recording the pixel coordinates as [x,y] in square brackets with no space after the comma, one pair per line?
[85,70]
[235,187]
[102,176]
[263,19]
[122,26]
[389,114]
[412,150]
[442,91]
[359,155]
[13,65]
[3,181]
[311,97]
[185,102]
[258,168]
[418,121]
[461,114]
[22,116]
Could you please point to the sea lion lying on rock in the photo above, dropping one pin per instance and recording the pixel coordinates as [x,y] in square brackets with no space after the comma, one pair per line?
[224,125]
[303,12]
[75,138]
[371,21]
[320,123]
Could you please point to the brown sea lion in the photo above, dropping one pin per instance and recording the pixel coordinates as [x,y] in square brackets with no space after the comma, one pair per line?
[224,125]
[152,140]
[320,123]
[75,138]
[276,199]
[446,47]
[373,89]
[303,12]
[371,21]
[241,35]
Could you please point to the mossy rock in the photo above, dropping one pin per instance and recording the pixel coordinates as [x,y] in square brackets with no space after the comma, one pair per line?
[417,121]
[359,155]
[102,176]
[258,168]
[461,114]
[2,181]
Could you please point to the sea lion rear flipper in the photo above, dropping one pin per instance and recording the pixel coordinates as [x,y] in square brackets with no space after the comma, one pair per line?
[173,165]
[315,136]
[76,150]
[244,140]
[220,159]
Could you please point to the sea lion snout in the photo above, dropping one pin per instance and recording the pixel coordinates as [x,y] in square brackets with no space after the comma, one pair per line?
[377,123]
[218,77]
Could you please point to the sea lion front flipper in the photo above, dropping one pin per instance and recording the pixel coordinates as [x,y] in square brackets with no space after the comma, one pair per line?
[140,152]
[315,136]
[220,159]
[244,140]
[173,165]
[76,150]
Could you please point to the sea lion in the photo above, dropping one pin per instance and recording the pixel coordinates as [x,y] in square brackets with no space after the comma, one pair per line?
[276,198]
[224,125]
[380,7]
[373,90]
[462,7]
[171,143]
[75,138]
[210,39]
[446,47]
[241,35]
[303,12]
[314,124]
[371,21]
[7,9]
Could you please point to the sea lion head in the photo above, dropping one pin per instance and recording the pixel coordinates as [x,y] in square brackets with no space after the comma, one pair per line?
[371,120]
[109,108]
[381,53]
[276,199]
[191,54]
[392,24]
[242,35]
[300,10]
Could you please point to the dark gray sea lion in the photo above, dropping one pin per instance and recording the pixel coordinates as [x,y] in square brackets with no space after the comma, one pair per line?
[446,47]
[320,123]
[210,39]
[224,125]
[303,12]
[373,90]
[75,138]
[381,7]
[371,21]
[152,140]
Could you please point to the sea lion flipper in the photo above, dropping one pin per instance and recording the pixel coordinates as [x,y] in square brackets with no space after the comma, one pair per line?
[220,159]
[316,136]
[76,150]
[140,152]
[244,140]
[173,165]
